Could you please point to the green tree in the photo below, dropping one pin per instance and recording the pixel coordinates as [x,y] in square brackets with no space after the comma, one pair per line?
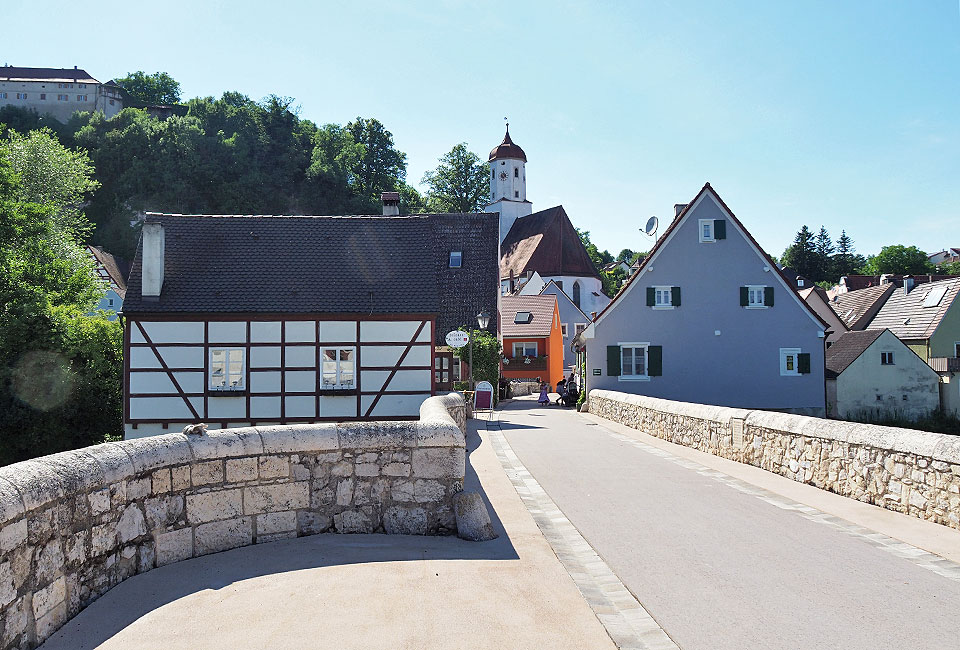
[802,255]
[460,183]
[156,88]
[948,268]
[846,261]
[898,259]
[486,356]
[611,282]
[380,167]
[626,255]
[824,248]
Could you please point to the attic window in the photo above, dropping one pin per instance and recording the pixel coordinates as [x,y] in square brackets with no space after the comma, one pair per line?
[456,259]
[523,318]
[934,296]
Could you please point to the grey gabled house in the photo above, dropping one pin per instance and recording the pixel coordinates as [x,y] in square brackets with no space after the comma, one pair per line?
[709,318]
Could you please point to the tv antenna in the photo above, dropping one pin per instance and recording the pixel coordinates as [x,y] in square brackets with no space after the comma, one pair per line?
[650,230]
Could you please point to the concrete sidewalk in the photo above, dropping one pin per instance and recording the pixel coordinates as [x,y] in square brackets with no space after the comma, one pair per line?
[358,591]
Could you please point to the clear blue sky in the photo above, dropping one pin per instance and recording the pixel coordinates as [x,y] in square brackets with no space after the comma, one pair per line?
[845,114]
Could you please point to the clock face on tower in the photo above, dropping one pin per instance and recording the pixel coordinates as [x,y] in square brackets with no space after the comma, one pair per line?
[503,176]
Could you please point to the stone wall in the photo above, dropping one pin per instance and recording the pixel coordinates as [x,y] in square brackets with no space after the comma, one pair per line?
[521,388]
[75,524]
[913,472]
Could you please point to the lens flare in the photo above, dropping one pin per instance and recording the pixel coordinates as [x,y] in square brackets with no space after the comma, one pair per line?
[43,379]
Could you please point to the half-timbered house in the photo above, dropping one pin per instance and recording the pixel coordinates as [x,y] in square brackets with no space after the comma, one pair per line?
[244,320]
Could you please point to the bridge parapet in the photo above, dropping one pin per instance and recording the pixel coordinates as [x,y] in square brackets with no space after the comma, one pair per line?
[75,524]
[908,471]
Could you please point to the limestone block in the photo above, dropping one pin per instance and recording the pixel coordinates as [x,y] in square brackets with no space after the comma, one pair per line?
[276,498]
[146,557]
[154,452]
[131,524]
[241,469]
[312,523]
[161,481]
[207,473]
[402,491]
[398,520]
[13,535]
[103,538]
[163,511]
[49,561]
[396,469]
[11,505]
[274,467]
[211,506]
[113,461]
[345,492]
[138,488]
[367,436]
[51,621]
[321,498]
[49,597]
[37,482]
[76,548]
[222,535]
[174,546]
[368,457]
[428,491]
[299,438]
[99,501]
[226,443]
[118,495]
[439,434]
[367,469]
[179,478]
[15,618]
[473,520]
[300,472]
[276,522]
[352,521]
[440,462]
[7,591]
[342,468]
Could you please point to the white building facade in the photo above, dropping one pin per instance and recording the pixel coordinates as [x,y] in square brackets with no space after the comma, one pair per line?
[58,92]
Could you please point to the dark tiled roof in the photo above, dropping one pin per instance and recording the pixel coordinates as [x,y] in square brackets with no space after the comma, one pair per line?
[545,242]
[847,348]
[905,315]
[324,265]
[541,307]
[14,73]
[856,282]
[857,308]
[507,149]
[117,268]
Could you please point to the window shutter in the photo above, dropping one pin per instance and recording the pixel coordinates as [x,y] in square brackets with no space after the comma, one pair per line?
[655,360]
[744,296]
[803,363]
[720,229]
[768,296]
[613,360]
[651,296]
[675,296]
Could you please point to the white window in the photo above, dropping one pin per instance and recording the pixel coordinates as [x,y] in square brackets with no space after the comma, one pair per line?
[706,230]
[790,362]
[663,297]
[63,98]
[21,95]
[755,297]
[226,369]
[633,361]
[81,98]
[456,259]
[886,358]
[563,329]
[525,349]
[338,369]
[800,283]
[579,327]
[3,95]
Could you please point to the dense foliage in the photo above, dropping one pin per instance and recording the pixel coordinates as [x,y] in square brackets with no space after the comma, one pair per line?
[899,259]
[156,88]
[817,258]
[460,183]
[486,356]
[610,280]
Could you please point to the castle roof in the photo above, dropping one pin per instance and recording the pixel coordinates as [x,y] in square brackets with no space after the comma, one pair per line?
[507,149]
[545,242]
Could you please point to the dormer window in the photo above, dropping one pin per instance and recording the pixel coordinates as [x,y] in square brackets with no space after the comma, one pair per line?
[456,259]
[522,318]
[800,282]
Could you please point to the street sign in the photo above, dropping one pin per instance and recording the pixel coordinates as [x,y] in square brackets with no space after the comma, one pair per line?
[457,339]
[483,397]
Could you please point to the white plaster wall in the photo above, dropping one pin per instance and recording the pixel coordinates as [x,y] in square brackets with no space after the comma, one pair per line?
[265,357]
[265,331]
[297,381]
[159,408]
[403,380]
[61,110]
[338,331]
[226,407]
[265,407]
[168,332]
[588,301]
[393,405]
[227,332]
[300,331]
[152,382]
[265,382]
[300,355]
[338,406]
[388,355]
[300,406]
[375,331]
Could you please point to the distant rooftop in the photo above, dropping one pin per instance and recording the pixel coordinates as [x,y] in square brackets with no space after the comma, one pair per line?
[71,75]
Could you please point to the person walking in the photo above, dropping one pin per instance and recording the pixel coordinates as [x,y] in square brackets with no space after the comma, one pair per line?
[561,391]
[543,399]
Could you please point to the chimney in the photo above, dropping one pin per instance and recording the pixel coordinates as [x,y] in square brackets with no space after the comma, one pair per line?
[908,283]
[678,208]
[152,270]
[885,278]
[391,203]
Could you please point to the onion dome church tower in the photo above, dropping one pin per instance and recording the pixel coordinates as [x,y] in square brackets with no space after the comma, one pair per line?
[508,183]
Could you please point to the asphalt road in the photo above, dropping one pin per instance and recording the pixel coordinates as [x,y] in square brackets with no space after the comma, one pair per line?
[720,569]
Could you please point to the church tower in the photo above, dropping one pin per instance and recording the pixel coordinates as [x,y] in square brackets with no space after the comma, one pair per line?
[508,183]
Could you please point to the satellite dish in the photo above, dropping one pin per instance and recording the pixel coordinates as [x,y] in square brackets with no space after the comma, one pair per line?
[651,228]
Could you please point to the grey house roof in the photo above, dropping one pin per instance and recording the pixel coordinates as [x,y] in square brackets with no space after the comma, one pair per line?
[847,349]
[325,265]
[857,308]
[906,314]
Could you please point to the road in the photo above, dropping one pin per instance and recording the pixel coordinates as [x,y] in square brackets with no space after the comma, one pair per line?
[724,567]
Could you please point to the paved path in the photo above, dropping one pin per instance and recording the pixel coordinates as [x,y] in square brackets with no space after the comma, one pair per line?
[722,564]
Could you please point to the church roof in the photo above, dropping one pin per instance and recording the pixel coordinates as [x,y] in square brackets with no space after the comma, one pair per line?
[545,242]
[507,149]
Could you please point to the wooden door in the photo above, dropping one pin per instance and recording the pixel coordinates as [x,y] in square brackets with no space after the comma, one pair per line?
[443,371]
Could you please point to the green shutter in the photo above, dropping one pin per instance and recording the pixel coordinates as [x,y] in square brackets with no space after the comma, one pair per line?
[719,229]
[675,296]
[613,360]
[768,296]
[651,296]
[803,363]
[655,360]
[744,296]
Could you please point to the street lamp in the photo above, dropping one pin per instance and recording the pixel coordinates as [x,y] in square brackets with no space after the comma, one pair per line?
[483,319]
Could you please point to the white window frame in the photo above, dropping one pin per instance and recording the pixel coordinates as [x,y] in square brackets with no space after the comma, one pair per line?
[646,361]
[3,95]
[578,328]
[658,292]
[704,238]
[883,362]
[456,369]
[459,263]
[339,385]
[243,370]
[563,330]
[21,95]
[751,289]
[786,352]
[524,346]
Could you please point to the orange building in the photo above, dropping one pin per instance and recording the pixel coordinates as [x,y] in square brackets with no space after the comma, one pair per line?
[532,338]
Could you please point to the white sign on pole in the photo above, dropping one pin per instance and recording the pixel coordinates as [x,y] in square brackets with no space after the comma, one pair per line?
[457,339]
